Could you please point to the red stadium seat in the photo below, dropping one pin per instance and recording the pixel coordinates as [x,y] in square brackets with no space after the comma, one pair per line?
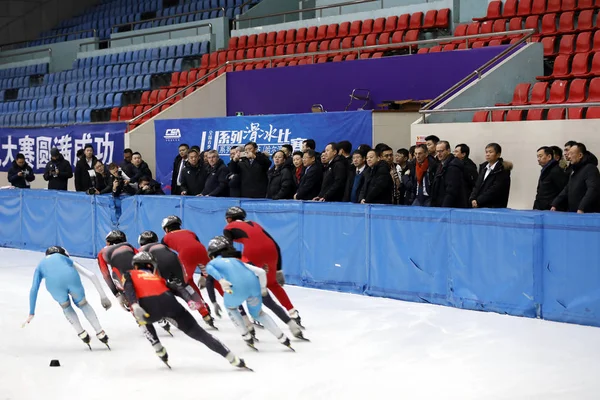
[261,40]
[174,83]
[486,27]
[568,5]
[596,41]
[301,35]
[588,4]
[324,45]
[416,20]
[379,25]
[566,22]
[473,28]
[549,44]
[460,30]
[498,116]
[560,69]
[335,45]
[343,30]
[538,7]
[509,9]
[271,38]
[331,31]
[479,44]
[145,98]
[556,114]
[553,6]
[204,61]
[533,22]
[114,114]
[539,93]
[580,65]
[499,26]
[367,27]
[371,41]
[230,55]
[593,113]
[585,21]
[435,49]
[311,34]
[290,36]
[242,42]
[549,25]
[321,32]
[514,115]
[447,47]
[577,91]
[154,97]
[384,39]
[240,54]
[594,90]
[355,28]
[558,92]
[520,95]
[403,22]
[391,23]
[442,20]
[252,41]
[280,38]
[494,11]
[515,24]
[524,8]
[359,41]
[290,49]
[481,116]
[536,115]
[233,42]
[584,42]
[424,50]
[429,21]
[567,44]
[495,42]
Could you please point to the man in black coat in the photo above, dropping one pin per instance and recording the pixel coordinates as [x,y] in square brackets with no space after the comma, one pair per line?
[418,180]
[148,186]
[378,186]
[140,168]
[178,166]
[356,177]
[58,171]
[126,165]
[310,182]
[470,172]
[83,181]
[582,193]
[334,179]
[493,183]
[193,177]
[552,179]
[20,173]
[281,184]
[252,167]
[448,185]
[217,184]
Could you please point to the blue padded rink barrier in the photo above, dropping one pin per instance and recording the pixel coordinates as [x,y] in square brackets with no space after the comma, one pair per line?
[522,263]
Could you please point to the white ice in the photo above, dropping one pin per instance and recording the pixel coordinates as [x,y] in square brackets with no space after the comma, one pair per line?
[361,348]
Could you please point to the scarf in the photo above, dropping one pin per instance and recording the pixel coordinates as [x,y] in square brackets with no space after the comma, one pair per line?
[421,169]
[298,173]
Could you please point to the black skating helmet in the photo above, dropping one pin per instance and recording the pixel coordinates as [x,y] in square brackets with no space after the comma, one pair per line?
[217,245]
[115,237]
[56,249]
[235,213]
[144,260]
[147,237]
[172,222]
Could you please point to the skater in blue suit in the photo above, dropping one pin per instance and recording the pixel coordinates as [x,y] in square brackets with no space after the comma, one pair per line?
[241,282]
[63,280]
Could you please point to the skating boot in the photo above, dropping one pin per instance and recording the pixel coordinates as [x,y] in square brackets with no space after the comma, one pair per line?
[210,321]
[295,315]
[296,331]
[249,339]
[164,357]
[286,342]
[163,323]
[240,363]
[103,337]
[250,327]
[86,338]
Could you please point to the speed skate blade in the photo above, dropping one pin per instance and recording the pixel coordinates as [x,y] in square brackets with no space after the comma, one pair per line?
[258,324]
[251,346]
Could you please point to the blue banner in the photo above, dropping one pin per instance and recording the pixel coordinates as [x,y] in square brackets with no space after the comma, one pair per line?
[35,143]
[270,132]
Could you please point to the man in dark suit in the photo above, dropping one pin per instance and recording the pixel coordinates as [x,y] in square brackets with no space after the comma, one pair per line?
[178,166]
[448,185]
[552,179]
[252,166]
[493,183]
[310,183]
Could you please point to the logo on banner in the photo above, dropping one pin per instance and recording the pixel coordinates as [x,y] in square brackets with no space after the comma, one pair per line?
[172,135]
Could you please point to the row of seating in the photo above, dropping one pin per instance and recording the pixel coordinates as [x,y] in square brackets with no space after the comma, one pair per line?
[36,69]
[94,101]
[156,53]
[462,46]
[580,65]
[95,86]
[14,83]
[433,20]
[47,118]
[570,44]
[523,8]
[557,92]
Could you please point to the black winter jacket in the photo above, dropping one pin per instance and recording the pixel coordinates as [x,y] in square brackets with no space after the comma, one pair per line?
[494,191]
[20,181]
[378,186]
[310,183]
[281,183]
[410,180]
[334,180]
[193,179]
[65,172]
[139,172]
[217,184]
[583,189]
[82,178]
[448,189]
[253,176]
[551,182]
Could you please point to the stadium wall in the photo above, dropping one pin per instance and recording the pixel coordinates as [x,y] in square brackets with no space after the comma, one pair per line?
[503,261]
[519,141]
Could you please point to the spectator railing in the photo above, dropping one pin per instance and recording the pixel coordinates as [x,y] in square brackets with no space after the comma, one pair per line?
[132,24]
[3,47]
[477,74]
[304,10]
[169,31]
[526,32]
[44,50]
[509,108]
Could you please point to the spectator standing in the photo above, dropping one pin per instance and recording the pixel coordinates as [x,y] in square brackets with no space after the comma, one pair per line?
[126,165]
[493,183]
[421,176]
[582,192]
[470,172]
[552,179]
[20,173]
[280,178]
[298,167]
[403,168]
[358,176]
[288,150]
[334,179]
[58,171]
[217,184]
[310,183]
[100,182]
[235,184]
[252,167]
[140,168]
[448,189]
[378,184]
[387,155]
[431,141]
[193,177]
[119,182]
[411,154]
[83,180]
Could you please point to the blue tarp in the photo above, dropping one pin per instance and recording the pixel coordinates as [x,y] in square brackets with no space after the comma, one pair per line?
[533,264]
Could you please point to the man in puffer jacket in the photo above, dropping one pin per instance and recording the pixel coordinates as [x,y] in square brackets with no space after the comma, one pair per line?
[20,173]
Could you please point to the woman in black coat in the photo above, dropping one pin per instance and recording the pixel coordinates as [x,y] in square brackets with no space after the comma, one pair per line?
[378,186]
[281,181]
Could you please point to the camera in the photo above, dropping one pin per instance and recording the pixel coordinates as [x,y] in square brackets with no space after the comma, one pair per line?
[91,190]
[25,173]
[119,175]
[243,154]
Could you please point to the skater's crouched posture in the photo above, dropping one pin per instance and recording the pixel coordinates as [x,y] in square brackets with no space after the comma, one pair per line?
[64,283]
[151,300]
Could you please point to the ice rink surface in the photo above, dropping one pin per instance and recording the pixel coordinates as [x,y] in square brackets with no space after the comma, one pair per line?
[362,348]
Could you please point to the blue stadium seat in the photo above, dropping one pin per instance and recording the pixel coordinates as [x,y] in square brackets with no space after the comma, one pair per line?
[102,60]
[108,71]
[114,59]
[118,100]
[131,83]
[178,65]
[139,82]
[59,103]
[101,72]
[93,100]
[94,88]
[128,56]
[169,65]
[122,84]
[72,101]
[79,116]
[64,117]
[108,100]
[93,61]
[100,100]
[109,84]
[79,100]
[153,67]
[122,71]
[137,68]
[229,13]
[87,115]
[146,67]
[51,118]
[155,54]
[61,89]
[101,84]
[160,67]
[180,51]
[130,69]
[94,73]
[121,58]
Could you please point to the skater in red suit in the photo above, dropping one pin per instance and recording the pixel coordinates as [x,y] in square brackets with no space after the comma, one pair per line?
[191,251]
[263,251]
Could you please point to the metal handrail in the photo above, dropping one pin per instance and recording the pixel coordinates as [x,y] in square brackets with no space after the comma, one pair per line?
[199,25]
[351,50]
[49,37]
[340,5]
[478,72]
[162,18]
[48,49]
[511,108]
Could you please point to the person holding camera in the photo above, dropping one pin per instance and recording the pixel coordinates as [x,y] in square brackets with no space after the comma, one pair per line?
[252,166]
[83,180]
[20,173]
[119,182]
[148,186]
[58,171]
[100,178]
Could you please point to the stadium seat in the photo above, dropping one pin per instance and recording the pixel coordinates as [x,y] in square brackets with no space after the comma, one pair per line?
[494,11]
[538,7]
[403,22]
[585,21]
[391,24]
[560,69]
[509,9]
[442,20]
[524,8]
[566,23]
[553,6]
[481,116]
[549,25]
